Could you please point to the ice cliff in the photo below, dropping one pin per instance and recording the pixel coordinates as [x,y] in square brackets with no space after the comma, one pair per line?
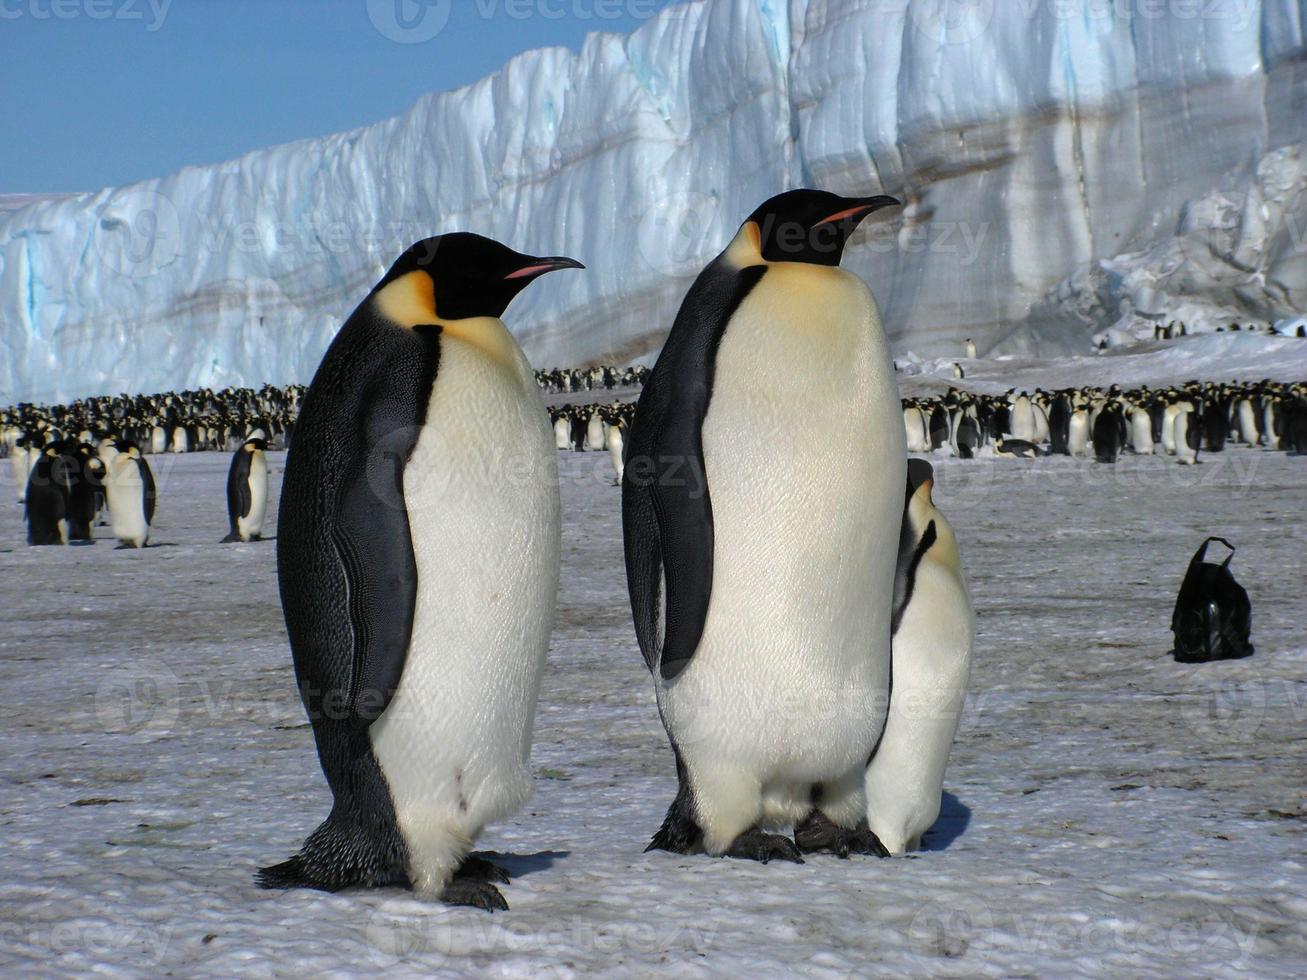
[1064,163]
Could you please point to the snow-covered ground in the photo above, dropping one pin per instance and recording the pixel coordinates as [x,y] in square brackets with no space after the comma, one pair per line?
[1109,811]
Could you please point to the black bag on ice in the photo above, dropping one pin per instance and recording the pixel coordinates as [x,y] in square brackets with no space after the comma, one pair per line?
[1213,617]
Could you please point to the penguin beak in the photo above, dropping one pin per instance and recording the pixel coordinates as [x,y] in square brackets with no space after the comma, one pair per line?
[861,209]
[539,266]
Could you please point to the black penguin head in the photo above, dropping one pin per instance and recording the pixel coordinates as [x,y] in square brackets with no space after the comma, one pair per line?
[811,226]
[471,275]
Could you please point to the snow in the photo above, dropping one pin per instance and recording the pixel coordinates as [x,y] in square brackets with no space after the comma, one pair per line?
[1056,161]
[1109,811]
[1240,356]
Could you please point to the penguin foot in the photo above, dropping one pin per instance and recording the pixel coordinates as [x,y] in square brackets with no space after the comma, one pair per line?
[477,867]
[754,845]
[474,894]
[817,832]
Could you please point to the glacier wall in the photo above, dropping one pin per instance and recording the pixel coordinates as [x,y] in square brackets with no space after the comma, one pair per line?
[1031,140]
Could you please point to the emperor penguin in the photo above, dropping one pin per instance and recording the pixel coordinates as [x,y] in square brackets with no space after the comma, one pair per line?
[418,551]
[563,431]
[970,348]
[761,506]
[22,458]
[49,493]
[616,448]
[247,491]
[129,494]
[934,628]
[1187,430]
[1077,439]
[915,429]
[1247,421]
[594,433]
[1141,431]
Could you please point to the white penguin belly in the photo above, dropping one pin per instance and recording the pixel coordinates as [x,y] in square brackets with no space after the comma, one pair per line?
[481,490]
[932,663]
[124,494]
[805,463]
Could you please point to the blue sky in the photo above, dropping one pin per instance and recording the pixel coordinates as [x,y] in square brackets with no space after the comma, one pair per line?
[104,92]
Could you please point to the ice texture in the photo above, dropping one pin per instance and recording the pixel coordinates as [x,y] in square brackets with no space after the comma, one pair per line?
[1046,152]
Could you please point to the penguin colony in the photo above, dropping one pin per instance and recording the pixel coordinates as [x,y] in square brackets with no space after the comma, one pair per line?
[1179,421]
[810,651]
[79,464]
[66,452]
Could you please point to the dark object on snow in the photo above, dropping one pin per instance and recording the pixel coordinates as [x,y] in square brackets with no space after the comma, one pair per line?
[1213,617]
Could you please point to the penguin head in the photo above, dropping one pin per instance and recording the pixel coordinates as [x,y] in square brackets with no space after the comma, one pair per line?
[810,226]
[467,275]
[924,517]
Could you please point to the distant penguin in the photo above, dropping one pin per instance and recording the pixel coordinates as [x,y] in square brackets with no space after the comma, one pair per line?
[1216,427]
[247,491]
[916,429]
[1141,432]
[933,627]
[969,348]
[616,446]
[49,488]
[88,473]
[1023,419]
[770,673]
[1247,416]
[1187,433]
[594,433]
[1107,435]
[181,440]
[562,431]
[129,493]
[22,458]
[958,372]
[969,439]
[418,553]
[1168,426]
[158,439]
[1077,440]
[1059,425]
[1015,449]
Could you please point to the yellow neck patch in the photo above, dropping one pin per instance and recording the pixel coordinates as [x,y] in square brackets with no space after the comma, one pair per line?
[410,301]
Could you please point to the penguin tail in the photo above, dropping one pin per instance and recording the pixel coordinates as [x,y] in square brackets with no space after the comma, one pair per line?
[289,874]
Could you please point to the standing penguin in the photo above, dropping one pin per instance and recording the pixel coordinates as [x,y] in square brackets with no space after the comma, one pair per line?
[1187,429]
[418,557]
[1108,434]
[129,494]
[616,448]
[49,492]
[934,627]
[761,507]
[247,491]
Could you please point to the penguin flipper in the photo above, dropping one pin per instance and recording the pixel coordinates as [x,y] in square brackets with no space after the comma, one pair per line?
[375,549]
[666,507]
[147,478]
